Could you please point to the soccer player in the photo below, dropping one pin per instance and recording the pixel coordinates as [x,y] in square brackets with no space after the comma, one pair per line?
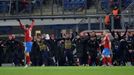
[106,53]
[28,40]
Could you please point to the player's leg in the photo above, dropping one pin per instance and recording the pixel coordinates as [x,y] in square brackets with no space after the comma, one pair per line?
[78,61]
[132,58]
[89,60]
[94,59]
[109,58]
[28,47]
[104,60]
[27,55]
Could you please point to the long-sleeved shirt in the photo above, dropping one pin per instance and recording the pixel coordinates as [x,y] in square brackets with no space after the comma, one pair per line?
[27,31]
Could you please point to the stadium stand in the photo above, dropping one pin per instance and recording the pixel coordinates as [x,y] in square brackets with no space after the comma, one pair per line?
[107,5]
[4,6]
[73,4]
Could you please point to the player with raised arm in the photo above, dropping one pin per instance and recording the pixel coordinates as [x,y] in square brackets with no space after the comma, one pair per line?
[28,40]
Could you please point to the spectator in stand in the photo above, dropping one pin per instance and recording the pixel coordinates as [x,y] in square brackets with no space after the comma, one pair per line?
[13,7]
[25,6]
[107,21]
[116,15]
[114,3]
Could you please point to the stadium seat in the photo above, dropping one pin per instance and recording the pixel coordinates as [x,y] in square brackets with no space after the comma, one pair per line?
[82,3]
[67,5]
[127,2]
[78,2]
[37,3]
[4,6]
[73,4]
[105,5]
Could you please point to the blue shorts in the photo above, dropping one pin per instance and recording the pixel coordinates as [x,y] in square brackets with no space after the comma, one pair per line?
[28,46]
[106,52]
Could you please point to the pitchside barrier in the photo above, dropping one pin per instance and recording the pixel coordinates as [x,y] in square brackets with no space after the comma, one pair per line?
[99,32]
[126,19]
[57,16]
[7,65]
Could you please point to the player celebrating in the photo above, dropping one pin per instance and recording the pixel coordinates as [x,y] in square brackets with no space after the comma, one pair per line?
[28,40]
[106,53]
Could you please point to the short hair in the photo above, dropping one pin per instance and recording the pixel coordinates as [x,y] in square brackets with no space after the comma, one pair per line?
[27,25]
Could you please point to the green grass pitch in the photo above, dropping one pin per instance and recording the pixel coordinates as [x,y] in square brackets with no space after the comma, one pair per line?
[79,70]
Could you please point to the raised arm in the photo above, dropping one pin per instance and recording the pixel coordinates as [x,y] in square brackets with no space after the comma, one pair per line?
[112,32]
[32,24]
[119,35]
[125,31]
[21,25]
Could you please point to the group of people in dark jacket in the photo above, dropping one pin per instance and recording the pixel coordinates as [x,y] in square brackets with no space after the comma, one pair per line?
[70,50]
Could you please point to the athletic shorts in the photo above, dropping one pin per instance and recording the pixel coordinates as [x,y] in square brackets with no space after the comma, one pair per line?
[28,46]
[106,52]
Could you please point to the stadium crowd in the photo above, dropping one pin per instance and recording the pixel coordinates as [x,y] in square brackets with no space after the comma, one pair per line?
[72,49]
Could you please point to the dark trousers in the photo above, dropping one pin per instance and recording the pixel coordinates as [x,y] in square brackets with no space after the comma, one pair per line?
[45,57]
[117,24]
[69,57]
[92,59]
[132,58]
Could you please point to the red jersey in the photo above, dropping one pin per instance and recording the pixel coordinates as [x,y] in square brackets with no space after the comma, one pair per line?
[106,42]
[28,37]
